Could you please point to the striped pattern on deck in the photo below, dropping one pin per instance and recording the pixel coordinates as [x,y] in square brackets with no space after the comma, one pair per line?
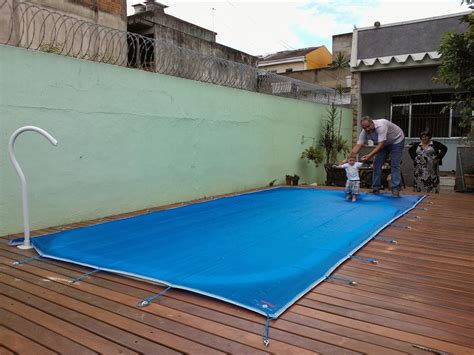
[418,297]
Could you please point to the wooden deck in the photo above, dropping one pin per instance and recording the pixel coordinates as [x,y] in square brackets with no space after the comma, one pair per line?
[418,299]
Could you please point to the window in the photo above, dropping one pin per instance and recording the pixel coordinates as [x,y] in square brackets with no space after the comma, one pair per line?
[416,113]
[288,70]
[401,116]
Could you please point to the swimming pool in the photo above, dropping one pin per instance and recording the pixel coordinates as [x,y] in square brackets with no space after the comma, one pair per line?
[261,250]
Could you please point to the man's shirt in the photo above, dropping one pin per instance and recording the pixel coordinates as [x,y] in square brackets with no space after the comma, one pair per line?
[384,131]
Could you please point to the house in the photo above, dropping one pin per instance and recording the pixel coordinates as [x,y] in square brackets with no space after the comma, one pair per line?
[151,21]
[393,66]
[296,60]
[325,76]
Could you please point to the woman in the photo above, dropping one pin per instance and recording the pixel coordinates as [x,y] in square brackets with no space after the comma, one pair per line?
[427,157]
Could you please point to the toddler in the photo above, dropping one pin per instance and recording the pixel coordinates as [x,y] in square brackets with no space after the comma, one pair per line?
[353,181]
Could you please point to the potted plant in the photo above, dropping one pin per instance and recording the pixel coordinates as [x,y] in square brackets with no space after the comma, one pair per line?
[289,179]
[296,178]
[332,142]
[314,154]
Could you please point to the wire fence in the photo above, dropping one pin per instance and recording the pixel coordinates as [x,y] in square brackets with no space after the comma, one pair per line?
[34,27]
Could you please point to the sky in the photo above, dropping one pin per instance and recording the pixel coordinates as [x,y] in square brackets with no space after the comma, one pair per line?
[263,27]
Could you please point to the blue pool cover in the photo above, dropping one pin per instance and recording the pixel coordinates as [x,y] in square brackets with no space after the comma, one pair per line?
[260,250]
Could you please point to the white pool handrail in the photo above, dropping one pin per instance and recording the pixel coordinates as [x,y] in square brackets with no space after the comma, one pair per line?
[24,188]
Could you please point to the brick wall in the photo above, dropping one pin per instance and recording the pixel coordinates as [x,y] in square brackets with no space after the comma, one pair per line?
[114,7]
[355,105]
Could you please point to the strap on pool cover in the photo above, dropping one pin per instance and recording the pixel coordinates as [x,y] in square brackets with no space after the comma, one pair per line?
[27,260]
[83,276]
[369,260]
[391,241]
[266,338]
[340,278]
[145,302]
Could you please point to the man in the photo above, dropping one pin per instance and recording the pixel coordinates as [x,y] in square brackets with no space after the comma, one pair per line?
[389,139]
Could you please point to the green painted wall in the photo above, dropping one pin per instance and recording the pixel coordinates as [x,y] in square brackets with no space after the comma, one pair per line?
[129,139]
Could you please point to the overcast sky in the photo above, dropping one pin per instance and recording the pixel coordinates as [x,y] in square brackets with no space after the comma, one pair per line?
[262,27]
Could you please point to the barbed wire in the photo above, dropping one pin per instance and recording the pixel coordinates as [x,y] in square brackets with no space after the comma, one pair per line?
[34,27]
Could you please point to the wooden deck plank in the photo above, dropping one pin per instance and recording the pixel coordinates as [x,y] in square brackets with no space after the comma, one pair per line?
[96,335]
[253,339]
[420,293]
[19,344]
[157,322]
[370,327]
[396,304]
[42,335]
[125,324]
[5,351]
[441,330]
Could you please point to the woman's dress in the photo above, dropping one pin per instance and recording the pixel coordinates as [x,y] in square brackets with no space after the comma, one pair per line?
[426,174]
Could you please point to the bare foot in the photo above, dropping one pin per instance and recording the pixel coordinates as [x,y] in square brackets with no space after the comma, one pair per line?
[353,199]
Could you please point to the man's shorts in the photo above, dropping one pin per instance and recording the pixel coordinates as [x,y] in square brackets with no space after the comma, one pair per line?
[352,187]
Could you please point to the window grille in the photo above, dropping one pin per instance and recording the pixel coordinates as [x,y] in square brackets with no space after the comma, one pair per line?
[421,112]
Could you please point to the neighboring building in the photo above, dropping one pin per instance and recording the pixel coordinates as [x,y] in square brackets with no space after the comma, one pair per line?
[296,60]
[65,27]
[393,66]
[342,43]
[150,20]
[325,76]
[109,13]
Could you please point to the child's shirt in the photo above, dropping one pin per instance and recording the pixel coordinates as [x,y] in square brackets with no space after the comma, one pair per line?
[352,171]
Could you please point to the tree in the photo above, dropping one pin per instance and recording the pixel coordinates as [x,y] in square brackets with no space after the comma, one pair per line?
[457,69]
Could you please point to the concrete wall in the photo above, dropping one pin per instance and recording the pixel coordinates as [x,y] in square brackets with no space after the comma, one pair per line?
[417,37]
[130,139]
[376,106]
[170,29]
[342,43]
[161,18]
[325,77]
[400,80]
